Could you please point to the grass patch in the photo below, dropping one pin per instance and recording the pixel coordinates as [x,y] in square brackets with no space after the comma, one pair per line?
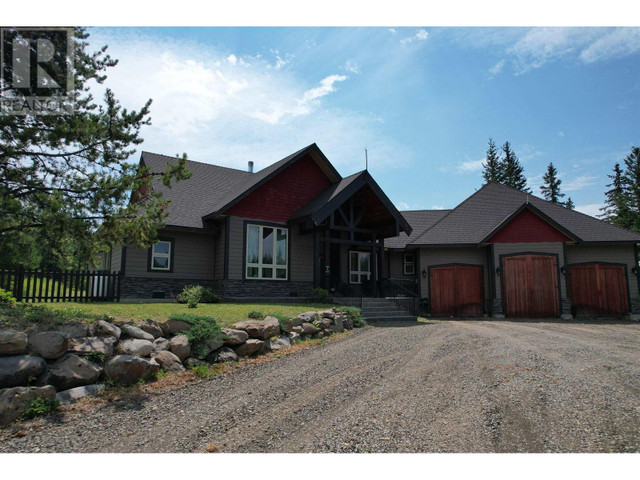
[206,371]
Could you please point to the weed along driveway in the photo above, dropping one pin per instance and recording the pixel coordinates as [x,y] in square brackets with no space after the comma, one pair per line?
[438,386]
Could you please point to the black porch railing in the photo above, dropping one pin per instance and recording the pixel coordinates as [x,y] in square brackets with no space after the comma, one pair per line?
[399,287]
[61,286]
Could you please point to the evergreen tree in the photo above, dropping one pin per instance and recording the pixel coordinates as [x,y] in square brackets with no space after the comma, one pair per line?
[569,204]
[631,186]
[616,206]
[493,170]
[513,170]
[551,187]
[66,180]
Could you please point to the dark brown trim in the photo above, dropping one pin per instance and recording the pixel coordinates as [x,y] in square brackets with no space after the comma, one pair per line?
[178,228]
[414,264]
[546,254]
[171,257]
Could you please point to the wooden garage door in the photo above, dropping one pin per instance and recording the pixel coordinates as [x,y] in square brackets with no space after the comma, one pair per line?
[456,290]
[599,290]
[530,286]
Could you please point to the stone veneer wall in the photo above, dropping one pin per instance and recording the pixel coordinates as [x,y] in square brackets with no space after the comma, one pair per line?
[144,287]
[262,288]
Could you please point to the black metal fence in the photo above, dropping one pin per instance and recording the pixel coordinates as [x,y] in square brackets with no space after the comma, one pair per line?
[61,286]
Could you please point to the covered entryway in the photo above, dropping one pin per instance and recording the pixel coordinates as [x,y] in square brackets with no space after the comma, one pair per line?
[599,289]
[456,290]
[530,285]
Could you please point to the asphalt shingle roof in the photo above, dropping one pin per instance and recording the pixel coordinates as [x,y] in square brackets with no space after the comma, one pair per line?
[420,220]
[480,214]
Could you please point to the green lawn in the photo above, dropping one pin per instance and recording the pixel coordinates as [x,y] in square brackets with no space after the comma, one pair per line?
[224,313]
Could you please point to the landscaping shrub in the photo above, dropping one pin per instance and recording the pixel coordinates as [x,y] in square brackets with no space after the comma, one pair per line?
[255,315]
[355,315]
[204,330]
[6,297]
[206,371]
[197,294]
[320,295]
[40,406]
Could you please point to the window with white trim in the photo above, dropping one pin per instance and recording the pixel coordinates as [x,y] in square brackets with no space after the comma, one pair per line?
[267,252]
[161,256]
[409,264]
[359,266]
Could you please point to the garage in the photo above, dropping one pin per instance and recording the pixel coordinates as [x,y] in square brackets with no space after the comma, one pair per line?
[598,289]
[456,290]
[530,285]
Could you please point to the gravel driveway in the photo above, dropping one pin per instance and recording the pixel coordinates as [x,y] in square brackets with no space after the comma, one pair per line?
[442,386]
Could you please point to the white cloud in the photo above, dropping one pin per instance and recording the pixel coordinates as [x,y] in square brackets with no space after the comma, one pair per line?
[422,34]
[402,206]
[579,183]
[496,69]
[561,133]
[618,43]
[470,166]
[226,109]
[352,67]
[437,207]
[592,209]
[392,30]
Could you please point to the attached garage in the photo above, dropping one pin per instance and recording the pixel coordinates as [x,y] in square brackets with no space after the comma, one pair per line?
[598,289]
[456,290]
[530,285]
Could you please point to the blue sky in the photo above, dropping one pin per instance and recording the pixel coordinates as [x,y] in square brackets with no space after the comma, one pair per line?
[424,101]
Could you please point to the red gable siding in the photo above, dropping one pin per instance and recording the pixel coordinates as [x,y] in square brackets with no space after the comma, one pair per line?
[284,194]
[528,227]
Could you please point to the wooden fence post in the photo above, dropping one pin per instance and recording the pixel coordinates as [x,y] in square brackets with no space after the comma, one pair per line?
[20,282]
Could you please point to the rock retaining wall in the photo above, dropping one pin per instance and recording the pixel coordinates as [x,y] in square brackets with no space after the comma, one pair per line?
[76,359]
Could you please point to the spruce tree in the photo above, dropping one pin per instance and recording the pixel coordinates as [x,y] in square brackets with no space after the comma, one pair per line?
[493,170]
[551,187]
[569,204]
[631,185]
[513,170]
[616,206]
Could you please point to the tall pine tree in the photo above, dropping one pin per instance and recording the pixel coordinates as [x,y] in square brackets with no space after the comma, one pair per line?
[569,204]
[513,170]
[631,185]
[493,169]
[616,206]
[551,187]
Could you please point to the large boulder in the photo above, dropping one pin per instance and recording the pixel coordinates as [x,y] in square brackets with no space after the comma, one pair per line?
[71,371]
[249,347]
[294,338]
[297,329]
[106,329]
[324,323]
[85,345]
[168,361]
[213,345]
[15,401]
[194,362]
[12,342]
[179,346]
[273,325]
[309,328]
[338,325]
[278,343]
[48,345]
[224,354]
[135,347]
[19,370]
[160,344]
[72,395]
[234,337]
[310,317]
[135,332]
[291,324]
[152,327]
[258,329]
[330,314]
[74,330]
[175,326]
[128,369]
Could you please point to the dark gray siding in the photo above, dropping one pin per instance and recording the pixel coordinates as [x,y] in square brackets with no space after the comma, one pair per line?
[116,259]
[300,258]
[219,241]
[396,265]
[193,258]
[606,253]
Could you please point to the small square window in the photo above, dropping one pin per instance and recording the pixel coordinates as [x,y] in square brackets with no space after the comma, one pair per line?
[409,264]
[160,256]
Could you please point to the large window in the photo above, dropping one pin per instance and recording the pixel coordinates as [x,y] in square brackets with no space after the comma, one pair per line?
[409,264]
[266,253]
[359,267]
[160,256]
